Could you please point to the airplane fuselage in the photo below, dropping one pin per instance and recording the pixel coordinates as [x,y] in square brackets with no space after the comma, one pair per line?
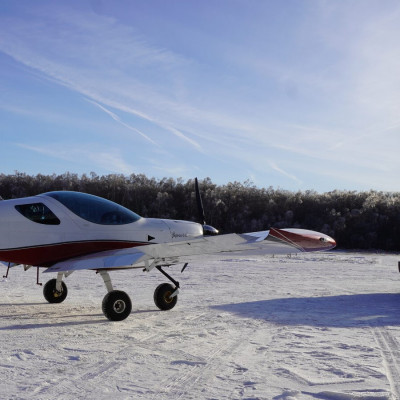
[41,230]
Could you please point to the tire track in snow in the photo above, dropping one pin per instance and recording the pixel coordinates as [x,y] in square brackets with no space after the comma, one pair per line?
[96,370]
[208,368]
[390,350]
[178,388]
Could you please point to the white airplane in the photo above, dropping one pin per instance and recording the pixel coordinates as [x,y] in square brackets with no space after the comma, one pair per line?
[69,231]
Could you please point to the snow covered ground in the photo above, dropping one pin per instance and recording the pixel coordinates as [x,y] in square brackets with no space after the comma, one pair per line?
[313,326]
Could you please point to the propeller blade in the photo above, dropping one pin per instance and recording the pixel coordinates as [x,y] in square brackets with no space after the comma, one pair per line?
[207,229]
[200,207]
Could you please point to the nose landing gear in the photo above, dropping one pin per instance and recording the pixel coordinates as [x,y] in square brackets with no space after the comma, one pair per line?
[165,297]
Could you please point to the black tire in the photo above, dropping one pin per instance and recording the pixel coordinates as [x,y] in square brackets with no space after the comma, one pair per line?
[52,295]
[116,305]
[162,297]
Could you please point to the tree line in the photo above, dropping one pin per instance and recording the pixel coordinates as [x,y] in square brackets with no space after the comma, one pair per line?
[357,220]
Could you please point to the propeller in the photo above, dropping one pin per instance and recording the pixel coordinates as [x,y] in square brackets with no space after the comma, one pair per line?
[208,230]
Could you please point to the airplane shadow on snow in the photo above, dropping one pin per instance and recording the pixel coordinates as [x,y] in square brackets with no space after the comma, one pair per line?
[357,310]
[58,319]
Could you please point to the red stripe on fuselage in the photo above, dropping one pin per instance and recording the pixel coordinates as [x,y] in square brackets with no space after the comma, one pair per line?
[49,254]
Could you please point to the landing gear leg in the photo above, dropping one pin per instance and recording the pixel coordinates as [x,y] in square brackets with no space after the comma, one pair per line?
[8,269]
[37,277]
[116,304]
[176,283]
[107,280]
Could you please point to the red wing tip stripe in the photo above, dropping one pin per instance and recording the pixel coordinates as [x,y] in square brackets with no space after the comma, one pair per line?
[304,240]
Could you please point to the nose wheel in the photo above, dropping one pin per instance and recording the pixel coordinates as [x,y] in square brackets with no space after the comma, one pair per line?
[165,296]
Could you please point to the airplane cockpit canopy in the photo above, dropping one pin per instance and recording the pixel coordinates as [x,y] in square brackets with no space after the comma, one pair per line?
[94,209]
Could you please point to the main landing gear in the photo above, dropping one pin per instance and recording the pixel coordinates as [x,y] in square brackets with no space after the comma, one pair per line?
[116,304]
[55,290]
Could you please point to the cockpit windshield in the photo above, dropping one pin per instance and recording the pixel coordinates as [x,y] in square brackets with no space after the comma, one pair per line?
[95,209]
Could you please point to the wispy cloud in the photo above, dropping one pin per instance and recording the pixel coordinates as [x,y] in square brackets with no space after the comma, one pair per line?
[107,159]
[118,119]
[107,85]
[276,168]
[180,135]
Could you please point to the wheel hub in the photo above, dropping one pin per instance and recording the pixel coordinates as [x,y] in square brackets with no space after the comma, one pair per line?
[119,306]
[167,297]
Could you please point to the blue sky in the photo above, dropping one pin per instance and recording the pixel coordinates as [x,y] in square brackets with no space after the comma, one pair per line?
[292,94]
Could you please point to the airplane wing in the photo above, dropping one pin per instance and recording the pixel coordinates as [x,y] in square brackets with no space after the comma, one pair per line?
[274,241]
